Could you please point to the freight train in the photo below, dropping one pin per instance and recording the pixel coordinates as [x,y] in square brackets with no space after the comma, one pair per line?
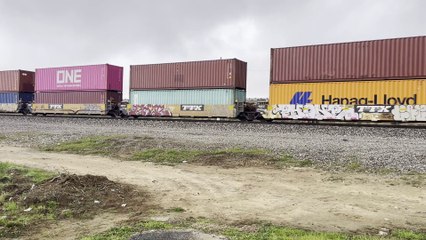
[379,80]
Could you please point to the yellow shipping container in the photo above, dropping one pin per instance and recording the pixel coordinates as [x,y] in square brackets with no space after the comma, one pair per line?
[385,92]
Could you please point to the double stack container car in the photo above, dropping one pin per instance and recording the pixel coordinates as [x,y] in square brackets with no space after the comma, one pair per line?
[94,89]
[16,91]
[370,80]
[379,80]
[214,88]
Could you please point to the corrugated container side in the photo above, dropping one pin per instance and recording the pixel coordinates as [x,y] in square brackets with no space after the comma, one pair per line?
[27,81]
[115,78]
[74,97]
[15,97]
[80,78]
[9,81]
[400,58]
[240,96]
[229,73]
[200,96]
[240,71]
[16,81]
[385,92]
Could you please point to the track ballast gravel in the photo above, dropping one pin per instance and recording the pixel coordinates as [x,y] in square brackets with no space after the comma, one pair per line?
[373,148]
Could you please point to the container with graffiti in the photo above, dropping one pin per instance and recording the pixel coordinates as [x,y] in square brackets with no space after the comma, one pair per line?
[379,80]
[189,103]
[396,100]
[92,89]
[214,88]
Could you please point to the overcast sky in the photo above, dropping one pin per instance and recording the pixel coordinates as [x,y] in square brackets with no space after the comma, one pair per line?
[48,33]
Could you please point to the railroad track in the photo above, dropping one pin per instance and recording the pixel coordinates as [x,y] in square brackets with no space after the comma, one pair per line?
[383,124]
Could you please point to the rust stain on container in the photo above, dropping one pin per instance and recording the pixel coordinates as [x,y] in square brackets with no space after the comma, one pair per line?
[16,81]
[223,73]
[399,58]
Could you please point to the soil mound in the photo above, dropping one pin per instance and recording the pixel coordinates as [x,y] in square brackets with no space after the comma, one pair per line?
[83,194]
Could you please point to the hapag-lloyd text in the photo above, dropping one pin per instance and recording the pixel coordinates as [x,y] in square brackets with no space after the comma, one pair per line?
[376,100]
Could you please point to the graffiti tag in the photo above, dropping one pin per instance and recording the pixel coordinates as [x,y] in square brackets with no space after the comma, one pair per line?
[149,110]
[409,113]
[319,112]
[350,112]
[91,107]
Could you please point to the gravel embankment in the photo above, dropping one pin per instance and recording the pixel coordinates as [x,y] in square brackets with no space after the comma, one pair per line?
[376,148]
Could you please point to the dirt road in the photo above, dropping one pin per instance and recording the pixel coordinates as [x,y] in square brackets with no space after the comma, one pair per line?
[303,198]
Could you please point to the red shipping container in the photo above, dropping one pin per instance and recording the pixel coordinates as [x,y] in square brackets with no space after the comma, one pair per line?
[17,81]
[223,73]
[79,78]
[75,97]
[399,58]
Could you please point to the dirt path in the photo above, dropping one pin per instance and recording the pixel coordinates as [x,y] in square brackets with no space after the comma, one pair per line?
[295,197]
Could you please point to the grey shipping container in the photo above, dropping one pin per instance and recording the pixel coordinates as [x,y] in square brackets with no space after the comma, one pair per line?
[222,73]
[399,58]
[16,81]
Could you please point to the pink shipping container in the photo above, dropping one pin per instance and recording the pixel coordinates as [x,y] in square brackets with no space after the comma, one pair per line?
[74,97]
[16,81]
[223,73]
[79,78]
[399,58]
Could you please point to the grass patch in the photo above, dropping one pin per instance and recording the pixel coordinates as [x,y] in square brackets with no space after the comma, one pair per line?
[165,156]
[125,232]
[408,235]
[415,180]
[177,210]
[256,232]
[232,157]
[236,152]
[289,161]
[354,166]
[16,215]
[145,148]
[8,171]
[118,233]
[273,232]
[278,232]
[98,145]
[155,225]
